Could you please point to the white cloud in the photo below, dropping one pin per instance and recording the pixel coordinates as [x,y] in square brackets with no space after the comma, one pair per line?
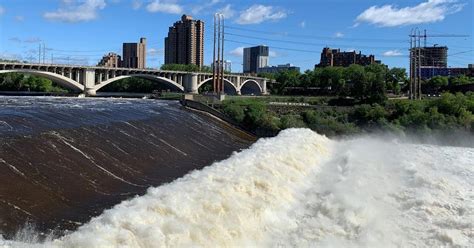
[426,12]
[338,35]
[76,12]
[166,6]
[137,4]
[154,52]
[27,40]
[200,7]
[19,18]
[15,39]
[10,56]
[303,24]
[32,40]
[392,53]
[227,11]
[2,10]
[260,13]
[237,52]
[272,54]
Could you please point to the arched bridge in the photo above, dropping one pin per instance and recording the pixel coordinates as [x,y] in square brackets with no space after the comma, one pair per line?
[89,79]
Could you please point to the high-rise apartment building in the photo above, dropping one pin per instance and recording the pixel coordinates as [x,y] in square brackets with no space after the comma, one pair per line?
[255,58]
[334,57]
[435,56]
[134,54]
[112,60]
[185,42]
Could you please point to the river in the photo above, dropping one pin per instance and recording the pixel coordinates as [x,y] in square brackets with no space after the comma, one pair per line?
[299,189]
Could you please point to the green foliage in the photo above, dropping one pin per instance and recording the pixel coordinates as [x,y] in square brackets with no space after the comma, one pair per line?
[291,121]
[367,84]
[396,75]
[22,82]
[235,111]
[181,67]
[438,81]
[447,113]
[329,122]
[137,85]
[461,80]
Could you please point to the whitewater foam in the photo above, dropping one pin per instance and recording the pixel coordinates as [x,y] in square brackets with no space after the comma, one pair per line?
[301,189]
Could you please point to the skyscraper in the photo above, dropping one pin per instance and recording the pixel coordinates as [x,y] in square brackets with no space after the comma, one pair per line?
[134,54]
[185,42]
[254,58]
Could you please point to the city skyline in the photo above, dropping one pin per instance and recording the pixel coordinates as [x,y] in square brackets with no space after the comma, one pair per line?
[77,31]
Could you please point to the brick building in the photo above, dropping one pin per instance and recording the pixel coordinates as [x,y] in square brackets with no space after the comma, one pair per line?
[185,42]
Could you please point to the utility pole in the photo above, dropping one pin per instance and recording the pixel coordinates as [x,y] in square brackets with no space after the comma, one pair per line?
[419,65]
[39,53]
[411,66]
[214,74]
[415,64]
[218,63]
[222,58]
[44,53]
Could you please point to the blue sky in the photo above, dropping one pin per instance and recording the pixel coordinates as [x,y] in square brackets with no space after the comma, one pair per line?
[81,31]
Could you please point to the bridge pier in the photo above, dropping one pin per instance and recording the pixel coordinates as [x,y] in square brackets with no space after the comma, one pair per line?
[90,92]
[89,82]
[190,83]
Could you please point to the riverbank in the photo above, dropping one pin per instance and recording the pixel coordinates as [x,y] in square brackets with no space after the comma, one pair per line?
[449,117]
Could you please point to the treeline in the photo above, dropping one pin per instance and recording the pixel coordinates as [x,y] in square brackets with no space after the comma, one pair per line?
[23,82]
[368,84]
[445,114]
[365,83]
[440,83]
[188,68]
[136,85]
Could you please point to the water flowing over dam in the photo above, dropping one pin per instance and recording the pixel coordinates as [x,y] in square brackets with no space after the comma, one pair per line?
[299,189]
[64,160]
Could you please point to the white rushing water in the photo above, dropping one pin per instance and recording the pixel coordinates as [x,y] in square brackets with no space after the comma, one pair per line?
[301,189]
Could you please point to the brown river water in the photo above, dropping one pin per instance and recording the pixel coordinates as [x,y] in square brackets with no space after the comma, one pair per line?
[65,160]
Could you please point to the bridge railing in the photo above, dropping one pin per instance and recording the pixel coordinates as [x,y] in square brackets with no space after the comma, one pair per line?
[121,69]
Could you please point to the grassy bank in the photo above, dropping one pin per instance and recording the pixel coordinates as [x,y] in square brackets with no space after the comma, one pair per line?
[445,114]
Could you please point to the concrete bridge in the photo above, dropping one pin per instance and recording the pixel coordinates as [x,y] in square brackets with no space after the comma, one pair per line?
[89,79]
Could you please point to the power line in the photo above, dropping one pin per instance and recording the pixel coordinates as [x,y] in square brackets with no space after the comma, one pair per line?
[278,48]
[308,43]
[316,37]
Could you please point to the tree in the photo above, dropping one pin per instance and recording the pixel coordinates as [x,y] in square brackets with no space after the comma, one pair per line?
[180,67]
[397,75]
[356,76]
[437,82]
[461,80]
[288,78]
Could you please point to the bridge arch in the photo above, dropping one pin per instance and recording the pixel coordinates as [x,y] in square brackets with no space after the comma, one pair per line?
[252,82]
[61,80]
[146,76]
[226,83]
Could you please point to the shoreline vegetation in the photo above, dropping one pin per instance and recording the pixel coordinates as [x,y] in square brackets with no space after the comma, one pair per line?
[447,114]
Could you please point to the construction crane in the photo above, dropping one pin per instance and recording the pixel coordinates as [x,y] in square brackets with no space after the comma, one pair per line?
[425,36]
